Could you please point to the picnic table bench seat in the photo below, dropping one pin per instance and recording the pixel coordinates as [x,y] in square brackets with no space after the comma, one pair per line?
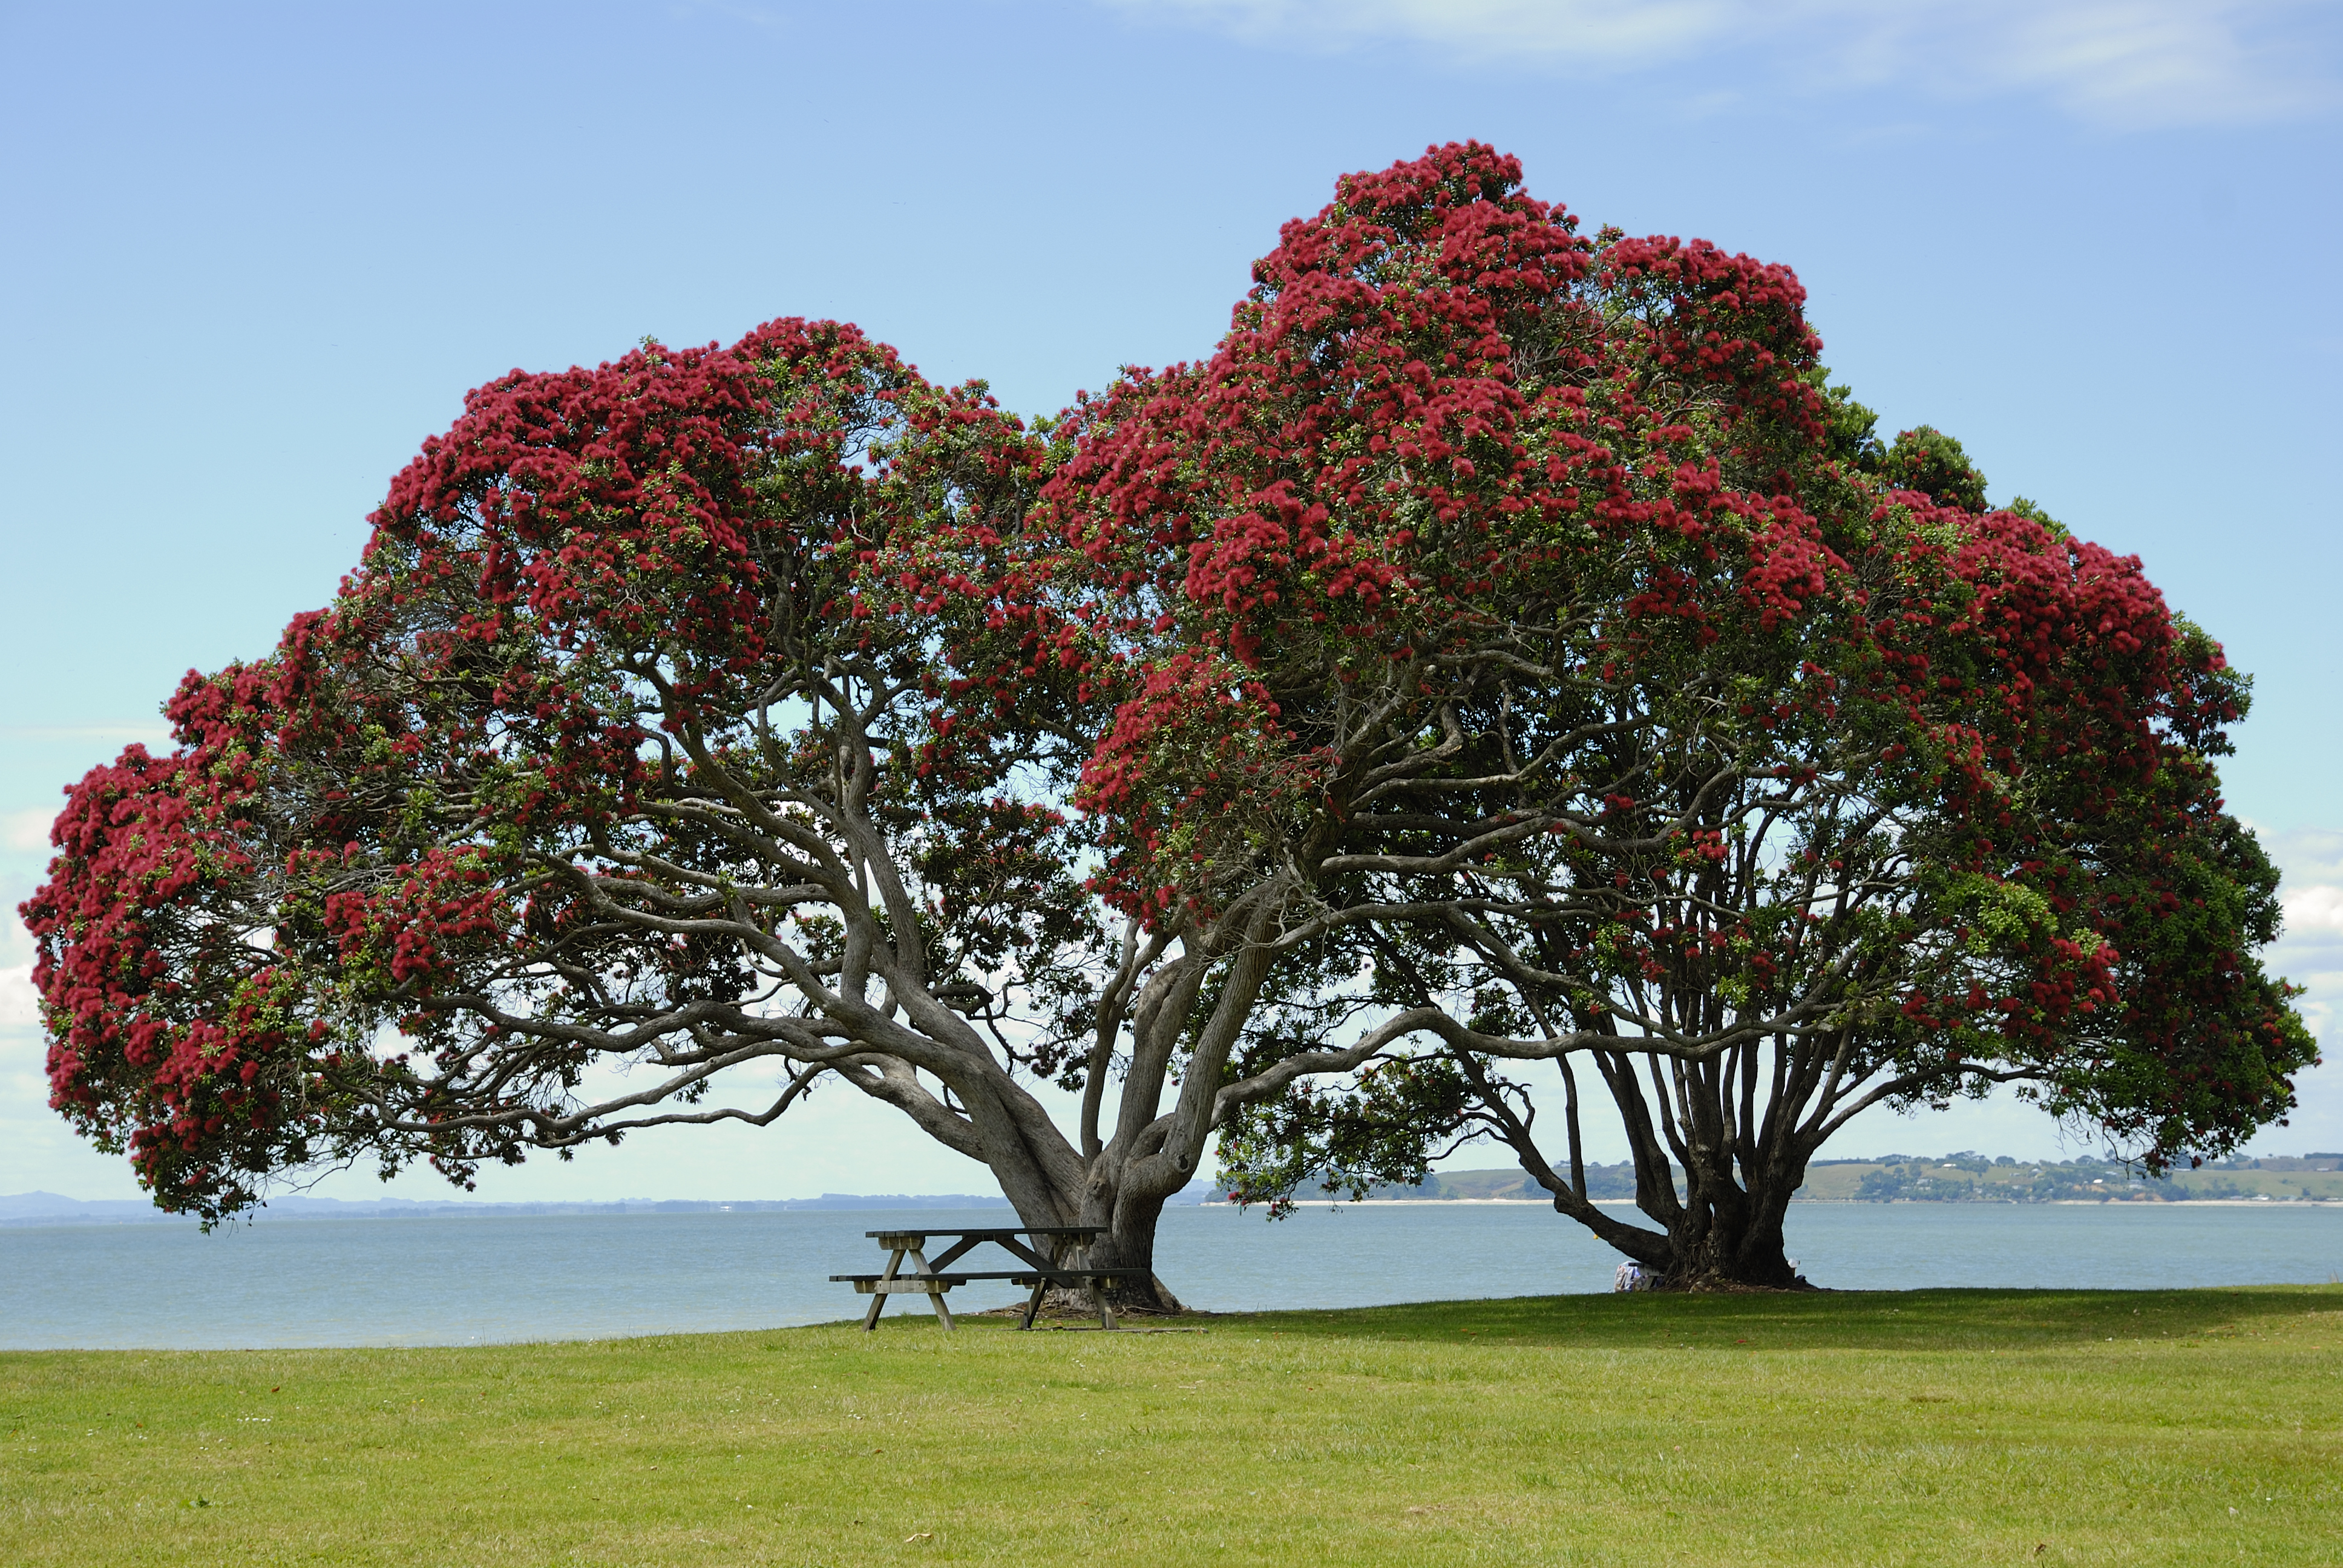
[932,1280]
[910,1283]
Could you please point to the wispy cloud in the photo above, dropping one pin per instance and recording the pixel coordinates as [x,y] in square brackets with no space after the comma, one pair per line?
[2126,63]
[154,732]
[2309,950]
[2316,908]
[27,831]
[2303,855]
[20,1005]
[1566,29]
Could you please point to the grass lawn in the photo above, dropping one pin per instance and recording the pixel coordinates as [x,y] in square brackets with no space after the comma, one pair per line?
[1939,1427]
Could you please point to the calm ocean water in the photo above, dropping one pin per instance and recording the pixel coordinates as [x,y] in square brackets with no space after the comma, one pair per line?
[458,1280]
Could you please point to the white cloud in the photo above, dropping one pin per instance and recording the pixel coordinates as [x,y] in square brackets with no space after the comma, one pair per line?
[27,831]
[2316,907]
[2122,62]
[2158,61]
[2309,951]
[2305,854]
[19,1003]
[1566,29]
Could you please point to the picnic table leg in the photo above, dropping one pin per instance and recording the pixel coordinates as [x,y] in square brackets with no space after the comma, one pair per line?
[1106,1308]
[935,1297]
[879,1298]
[1034,1305]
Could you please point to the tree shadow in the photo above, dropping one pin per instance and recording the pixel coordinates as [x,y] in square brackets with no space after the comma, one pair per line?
[1951,1320]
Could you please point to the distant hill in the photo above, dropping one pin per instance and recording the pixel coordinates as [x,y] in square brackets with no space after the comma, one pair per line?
[1959,1177]
[1513,1186]
[17,1208]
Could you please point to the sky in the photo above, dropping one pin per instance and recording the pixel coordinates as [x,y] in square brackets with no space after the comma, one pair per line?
[253,254]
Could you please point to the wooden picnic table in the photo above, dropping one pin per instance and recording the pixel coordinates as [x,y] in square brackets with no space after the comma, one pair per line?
[930,1278]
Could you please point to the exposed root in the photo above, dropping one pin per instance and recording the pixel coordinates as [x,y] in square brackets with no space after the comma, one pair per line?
[1067,1307]
[1718,1285]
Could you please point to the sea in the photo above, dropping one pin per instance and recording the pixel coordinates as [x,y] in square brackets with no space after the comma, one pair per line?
[449,1279]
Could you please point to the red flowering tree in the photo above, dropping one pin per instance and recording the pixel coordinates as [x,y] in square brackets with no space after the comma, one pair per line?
[1504,648]
[639,769]
[1561,673]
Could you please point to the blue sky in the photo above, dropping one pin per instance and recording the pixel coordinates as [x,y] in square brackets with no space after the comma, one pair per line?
[256,254]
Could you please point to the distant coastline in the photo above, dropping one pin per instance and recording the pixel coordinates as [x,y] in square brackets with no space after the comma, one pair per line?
[1962,1177]
[1959,1178]
[21,1208]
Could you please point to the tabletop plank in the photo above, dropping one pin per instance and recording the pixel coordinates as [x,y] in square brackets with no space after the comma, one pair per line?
[989,1231]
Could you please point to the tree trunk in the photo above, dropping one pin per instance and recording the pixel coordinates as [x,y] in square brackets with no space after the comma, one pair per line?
[1128,1222]
[1724,1232]
[1052,1186]
[1130,1243]
[1731,1245]
[1153,1153]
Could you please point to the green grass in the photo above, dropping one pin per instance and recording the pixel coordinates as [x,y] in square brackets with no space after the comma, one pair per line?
[1953,1427]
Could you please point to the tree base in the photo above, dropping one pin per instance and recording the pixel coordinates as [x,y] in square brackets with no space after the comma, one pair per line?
[1072,1307]
[1719,1285]
[1074,1302]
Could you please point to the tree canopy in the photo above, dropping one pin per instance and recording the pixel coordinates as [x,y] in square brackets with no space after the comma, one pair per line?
[1607,693]
[1507,648]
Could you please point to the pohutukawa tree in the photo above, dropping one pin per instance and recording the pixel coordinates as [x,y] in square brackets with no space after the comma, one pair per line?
[1565,674]
[625,748]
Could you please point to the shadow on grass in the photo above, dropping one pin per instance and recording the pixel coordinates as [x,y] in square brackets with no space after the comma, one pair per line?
[1896,1319]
